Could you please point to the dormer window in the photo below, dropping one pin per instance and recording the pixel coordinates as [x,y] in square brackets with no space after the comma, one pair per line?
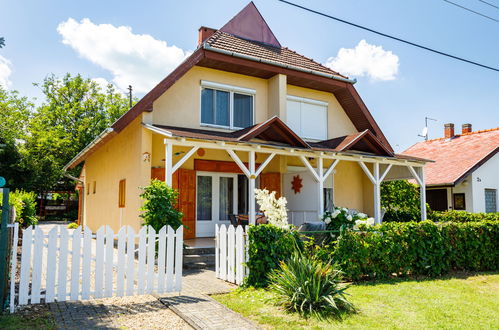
[226,106]
[307,117]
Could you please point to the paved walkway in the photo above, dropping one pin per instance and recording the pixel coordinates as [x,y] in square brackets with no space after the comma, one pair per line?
[200,310]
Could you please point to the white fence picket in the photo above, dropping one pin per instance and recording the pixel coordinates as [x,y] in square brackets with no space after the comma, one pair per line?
[130,269]
[179,251]
[161,259]
[36,274]
[13,268]
[99,262]
[120,277]
[231,233]
[142,260]
[75,263]
[170,244]
[63,265]
[111,275]
[151,256]
[239,255]
[109,263]
[87,258]
[231,253]
[25,266]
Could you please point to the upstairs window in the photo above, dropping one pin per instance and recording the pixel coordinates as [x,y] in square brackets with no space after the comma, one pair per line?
[226,106]
[307,117]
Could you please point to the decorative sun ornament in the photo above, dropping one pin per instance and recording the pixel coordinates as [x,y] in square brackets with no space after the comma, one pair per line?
[296,184]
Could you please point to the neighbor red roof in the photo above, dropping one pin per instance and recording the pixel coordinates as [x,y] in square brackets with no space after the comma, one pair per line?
[457,157]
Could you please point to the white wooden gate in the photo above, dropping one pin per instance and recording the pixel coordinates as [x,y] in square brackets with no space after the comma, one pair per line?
[231,253]
[76,264]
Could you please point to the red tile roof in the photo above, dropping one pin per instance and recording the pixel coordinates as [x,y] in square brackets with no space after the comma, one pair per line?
[280,55]
[457,157]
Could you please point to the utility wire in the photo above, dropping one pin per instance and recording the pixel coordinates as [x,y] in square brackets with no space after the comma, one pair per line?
[472,11]
[490,4]
[390,36]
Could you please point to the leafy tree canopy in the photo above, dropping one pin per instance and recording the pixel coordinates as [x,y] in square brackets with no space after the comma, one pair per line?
[401,201]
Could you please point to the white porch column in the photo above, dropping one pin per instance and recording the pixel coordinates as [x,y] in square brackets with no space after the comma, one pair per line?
[251,188]
[377,194]
[320,172]
[422,193]
[418,174]
[168,162]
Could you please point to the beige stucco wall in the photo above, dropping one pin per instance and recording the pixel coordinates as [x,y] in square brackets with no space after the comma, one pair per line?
[120,158]
[338,123]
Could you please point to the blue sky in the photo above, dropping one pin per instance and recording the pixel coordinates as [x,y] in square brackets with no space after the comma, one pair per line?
[423,84]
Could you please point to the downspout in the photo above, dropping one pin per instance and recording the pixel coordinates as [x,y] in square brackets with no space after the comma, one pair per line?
[206,46]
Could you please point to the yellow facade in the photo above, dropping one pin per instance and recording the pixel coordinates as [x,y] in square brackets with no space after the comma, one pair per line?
[125,155]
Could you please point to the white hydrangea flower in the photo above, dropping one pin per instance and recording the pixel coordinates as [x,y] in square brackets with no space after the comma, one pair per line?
[370,221]
[362,215]
[335,214]
[327,221]
[349,217]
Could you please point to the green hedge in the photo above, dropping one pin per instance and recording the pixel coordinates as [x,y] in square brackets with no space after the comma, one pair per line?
[461,216]
[268,245]
[424,248]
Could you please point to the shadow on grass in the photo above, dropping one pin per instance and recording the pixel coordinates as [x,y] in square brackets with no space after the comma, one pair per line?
[463,275]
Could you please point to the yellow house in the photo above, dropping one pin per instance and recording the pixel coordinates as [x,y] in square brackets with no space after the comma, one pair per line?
[243,112]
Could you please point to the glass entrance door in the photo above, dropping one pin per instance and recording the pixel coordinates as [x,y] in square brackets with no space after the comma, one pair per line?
[216,199]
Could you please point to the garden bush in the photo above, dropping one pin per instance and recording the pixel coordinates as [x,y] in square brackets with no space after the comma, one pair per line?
[424,248]
[25,204]
[400,200]
[159,206]
[268,246]
[73,225]
[461,216]
[306,285]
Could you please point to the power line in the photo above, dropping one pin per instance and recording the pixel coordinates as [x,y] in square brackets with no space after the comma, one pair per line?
[471,10]
[490,4]
[390,36]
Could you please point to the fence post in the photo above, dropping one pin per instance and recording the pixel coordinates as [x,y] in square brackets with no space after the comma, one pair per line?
[4,255]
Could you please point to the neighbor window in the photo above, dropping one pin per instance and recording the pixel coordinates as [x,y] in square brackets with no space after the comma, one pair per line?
[459,202]
[490,200]
[226,106]
[121,193]
[307,117]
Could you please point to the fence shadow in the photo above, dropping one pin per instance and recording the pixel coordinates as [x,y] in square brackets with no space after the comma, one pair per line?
[177,300]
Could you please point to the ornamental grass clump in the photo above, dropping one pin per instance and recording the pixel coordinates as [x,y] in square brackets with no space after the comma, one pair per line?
[310,287]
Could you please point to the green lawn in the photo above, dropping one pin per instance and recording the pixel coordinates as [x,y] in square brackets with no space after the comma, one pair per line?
[450,303]
[32,319]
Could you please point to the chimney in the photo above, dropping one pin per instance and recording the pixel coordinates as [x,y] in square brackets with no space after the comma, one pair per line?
[466,128]
[204,33]
[449,130]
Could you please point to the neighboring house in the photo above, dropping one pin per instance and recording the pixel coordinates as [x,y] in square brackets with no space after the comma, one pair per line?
[242,112]
[465,174]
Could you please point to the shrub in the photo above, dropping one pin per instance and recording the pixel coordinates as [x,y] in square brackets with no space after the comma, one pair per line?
[401,202]
[342,218]
[424,248]
[268,246]
[25,204]
[306,285]
[73,225]
[159,206]
[461,216]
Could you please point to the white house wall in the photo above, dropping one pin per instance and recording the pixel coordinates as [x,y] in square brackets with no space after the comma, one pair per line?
[485,177]
[464,187]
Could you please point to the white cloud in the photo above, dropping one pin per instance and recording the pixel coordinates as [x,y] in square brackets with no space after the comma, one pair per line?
[133,59]
[365,60]
[102,83]
[5,71]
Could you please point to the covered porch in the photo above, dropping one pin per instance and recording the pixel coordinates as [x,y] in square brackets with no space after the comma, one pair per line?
[216,172]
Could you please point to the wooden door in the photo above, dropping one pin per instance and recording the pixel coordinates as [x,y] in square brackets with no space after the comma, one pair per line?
[271,182]
[437,199]
[184,181]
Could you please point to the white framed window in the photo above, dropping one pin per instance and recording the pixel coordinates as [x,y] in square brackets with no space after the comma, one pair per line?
[307,117]
[226,106]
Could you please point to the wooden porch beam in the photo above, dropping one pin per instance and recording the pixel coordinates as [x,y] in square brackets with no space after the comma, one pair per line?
[184,159]
[239,163]
[264,164]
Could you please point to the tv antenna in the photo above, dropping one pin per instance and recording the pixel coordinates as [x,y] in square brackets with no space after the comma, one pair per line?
[424,132]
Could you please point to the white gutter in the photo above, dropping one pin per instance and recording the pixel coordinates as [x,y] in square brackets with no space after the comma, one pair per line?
[157,130]
[292,67]
[99,138]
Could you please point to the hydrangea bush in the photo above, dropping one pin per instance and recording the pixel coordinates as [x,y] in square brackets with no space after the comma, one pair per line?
[274,208]
[348,219]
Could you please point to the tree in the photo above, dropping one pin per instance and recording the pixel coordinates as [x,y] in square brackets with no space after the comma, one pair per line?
[74,112]
[159,206]
[15,113]
[401,201]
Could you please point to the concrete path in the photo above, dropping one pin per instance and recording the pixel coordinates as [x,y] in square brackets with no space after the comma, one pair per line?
[201,311]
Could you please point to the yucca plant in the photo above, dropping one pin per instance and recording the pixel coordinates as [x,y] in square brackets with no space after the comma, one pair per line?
[306,285]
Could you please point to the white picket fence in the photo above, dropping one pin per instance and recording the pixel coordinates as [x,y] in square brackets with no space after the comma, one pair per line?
[231,253]
[60,265]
